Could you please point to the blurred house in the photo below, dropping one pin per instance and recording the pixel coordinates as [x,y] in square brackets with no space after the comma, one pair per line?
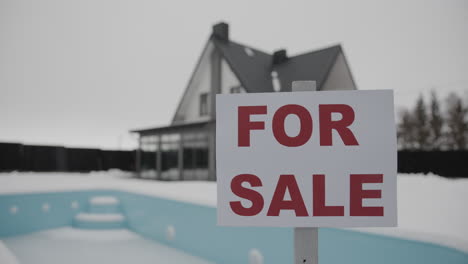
[185,150]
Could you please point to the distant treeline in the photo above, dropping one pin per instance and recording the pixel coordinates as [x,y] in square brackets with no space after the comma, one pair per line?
[434,125]
[19,157]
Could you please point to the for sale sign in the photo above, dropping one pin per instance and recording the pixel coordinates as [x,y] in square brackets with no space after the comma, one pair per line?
[306,159]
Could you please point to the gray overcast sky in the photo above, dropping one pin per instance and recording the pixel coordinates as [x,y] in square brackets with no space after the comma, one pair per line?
[84,72]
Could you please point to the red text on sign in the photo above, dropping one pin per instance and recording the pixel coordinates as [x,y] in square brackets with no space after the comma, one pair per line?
[326,124]
[288,183]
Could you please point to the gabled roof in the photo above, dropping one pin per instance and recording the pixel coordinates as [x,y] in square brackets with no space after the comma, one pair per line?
[254,68]
[254,72]
[314,65]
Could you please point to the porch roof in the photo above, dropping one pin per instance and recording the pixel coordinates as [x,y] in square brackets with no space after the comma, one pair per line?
[172,128]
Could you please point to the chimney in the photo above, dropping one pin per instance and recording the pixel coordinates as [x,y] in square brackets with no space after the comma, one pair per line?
[221,31]
[280,56]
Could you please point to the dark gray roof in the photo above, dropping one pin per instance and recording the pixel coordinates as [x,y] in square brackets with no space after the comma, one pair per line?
[314,65]
[172,128]
[254,72]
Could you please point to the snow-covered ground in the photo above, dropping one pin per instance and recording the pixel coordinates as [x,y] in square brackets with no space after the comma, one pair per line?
[33,182]
[430,208]
[77,246]
[6,256]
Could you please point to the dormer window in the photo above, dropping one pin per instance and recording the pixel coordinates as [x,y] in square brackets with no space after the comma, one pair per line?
[249,52]
[235,89]
[203,104]
[275,81]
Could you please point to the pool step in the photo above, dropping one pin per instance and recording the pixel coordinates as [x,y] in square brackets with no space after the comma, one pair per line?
[99,221]
[104,209]
[104,204]
[104,212]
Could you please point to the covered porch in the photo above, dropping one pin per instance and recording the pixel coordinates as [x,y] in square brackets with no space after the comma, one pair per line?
[178,152]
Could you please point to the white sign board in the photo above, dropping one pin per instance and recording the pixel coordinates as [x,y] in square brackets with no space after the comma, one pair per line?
[306,159]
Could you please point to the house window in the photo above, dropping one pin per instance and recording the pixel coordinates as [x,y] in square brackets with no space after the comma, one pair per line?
[235,89]
[203,104]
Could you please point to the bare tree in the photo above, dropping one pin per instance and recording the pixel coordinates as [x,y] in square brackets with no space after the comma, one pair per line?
[436,122]
[457,114]
[421,124]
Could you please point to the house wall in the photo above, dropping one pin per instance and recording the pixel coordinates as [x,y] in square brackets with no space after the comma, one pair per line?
[188,111]
[339,77]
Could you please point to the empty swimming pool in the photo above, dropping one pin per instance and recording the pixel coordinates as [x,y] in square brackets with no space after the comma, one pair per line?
[76,226]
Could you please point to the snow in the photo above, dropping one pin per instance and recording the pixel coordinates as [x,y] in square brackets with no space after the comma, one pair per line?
[104,200]
[6,256]
[89,217]
[430,208]
[198,192]
[78,246]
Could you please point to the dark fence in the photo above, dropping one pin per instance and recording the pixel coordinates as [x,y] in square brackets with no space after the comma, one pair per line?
[19,157]
[451,164]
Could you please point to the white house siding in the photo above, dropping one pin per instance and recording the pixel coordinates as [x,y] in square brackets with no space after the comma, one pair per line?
[339,77]
[189,108]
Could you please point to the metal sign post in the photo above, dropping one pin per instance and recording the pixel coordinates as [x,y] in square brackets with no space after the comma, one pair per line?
[305,238]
